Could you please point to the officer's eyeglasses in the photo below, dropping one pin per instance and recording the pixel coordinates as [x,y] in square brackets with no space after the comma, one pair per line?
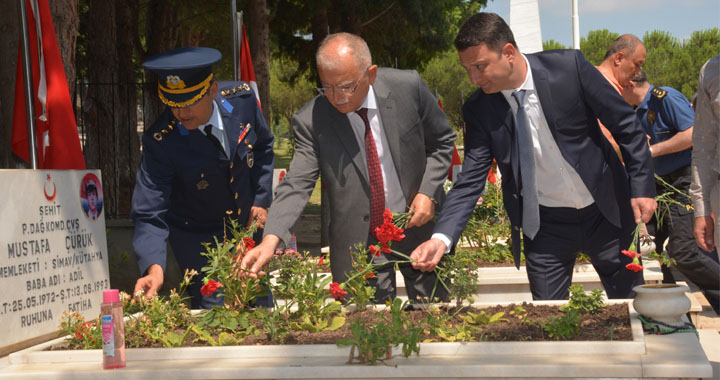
[348,89]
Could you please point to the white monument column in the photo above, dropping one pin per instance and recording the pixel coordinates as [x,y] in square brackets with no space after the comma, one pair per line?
[525,25]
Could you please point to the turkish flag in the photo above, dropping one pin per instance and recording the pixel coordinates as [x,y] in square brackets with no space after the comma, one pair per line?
[56,132]
[247,72]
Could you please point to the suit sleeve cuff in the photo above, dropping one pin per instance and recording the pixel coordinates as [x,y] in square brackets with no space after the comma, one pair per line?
[445,239]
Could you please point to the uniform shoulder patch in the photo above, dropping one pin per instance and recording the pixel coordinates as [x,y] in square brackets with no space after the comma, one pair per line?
[160,132]
[236,89]
[658,92]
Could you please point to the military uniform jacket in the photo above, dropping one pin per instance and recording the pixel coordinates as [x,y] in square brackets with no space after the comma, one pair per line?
[186,182]
[663,113]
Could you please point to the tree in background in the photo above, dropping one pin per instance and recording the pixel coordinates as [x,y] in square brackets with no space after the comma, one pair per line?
[596,44]
[402,34]
[447,78]
[289,89]
[553,45]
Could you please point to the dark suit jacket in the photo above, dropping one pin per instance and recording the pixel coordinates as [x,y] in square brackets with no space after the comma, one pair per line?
[420,141]
[573,95]
[185,184]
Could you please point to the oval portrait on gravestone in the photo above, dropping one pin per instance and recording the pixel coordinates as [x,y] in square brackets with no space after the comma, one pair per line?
[91,196]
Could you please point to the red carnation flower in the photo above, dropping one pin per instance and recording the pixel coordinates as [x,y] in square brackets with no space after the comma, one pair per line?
[210,287]
[370,275]
[630,254]
[337,292]
[249,243]
[634,267]
[320,262]
[374,250]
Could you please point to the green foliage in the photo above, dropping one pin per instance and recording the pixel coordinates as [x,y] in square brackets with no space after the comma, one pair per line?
[458,275]
[359,293]
[564,327]
[553,45]
[488,229]
[83,335]
[303,286]
[585,303]
[290,88]
[520,313]
[273,323]
[447,79]
[375,342]
[403,34]
[461,333]
[239,291]
[482,318]
[595,45]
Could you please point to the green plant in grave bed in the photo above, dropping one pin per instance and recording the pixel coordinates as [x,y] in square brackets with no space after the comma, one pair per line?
[273,323]
[584,303]
[222,258]
[488,229]
[457,275]
[300,282]
[563,327]
[482,318]
[520,313]
[461,333]
[83,334]
[359,293]
[374,342]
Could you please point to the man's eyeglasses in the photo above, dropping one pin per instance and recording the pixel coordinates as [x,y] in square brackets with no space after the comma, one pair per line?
[348,89]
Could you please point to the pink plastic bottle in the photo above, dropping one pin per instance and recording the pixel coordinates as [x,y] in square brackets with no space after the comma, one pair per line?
[113,330]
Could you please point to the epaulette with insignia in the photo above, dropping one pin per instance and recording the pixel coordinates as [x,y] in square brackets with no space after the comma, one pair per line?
[240,89]
[160,135]
[658,92]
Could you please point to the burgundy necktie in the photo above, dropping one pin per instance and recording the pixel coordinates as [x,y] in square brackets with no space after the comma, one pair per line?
[377,189]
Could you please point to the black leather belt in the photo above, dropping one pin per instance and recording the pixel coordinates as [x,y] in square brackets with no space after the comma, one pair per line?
[673,176]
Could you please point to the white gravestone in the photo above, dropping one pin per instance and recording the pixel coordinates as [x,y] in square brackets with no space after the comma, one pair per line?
[53,250]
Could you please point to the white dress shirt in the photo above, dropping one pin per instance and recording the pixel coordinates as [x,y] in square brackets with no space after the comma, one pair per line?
[558,184]
[394,198]
[218,128]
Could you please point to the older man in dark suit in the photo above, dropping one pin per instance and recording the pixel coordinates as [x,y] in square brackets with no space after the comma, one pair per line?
[379,140]
[537,114]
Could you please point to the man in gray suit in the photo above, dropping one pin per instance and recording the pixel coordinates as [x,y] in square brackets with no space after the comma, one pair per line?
[379,140]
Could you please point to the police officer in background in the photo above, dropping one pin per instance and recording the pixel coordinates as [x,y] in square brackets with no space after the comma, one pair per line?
[667,118]
[206,159]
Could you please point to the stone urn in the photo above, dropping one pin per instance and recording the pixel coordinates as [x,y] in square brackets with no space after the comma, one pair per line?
[665,303]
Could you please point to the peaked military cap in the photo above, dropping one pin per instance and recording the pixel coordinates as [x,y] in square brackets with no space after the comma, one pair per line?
[184,75]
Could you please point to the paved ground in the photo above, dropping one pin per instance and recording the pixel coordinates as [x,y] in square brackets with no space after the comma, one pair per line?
[708,325]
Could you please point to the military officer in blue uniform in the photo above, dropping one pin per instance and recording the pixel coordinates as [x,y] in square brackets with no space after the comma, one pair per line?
[207,158]
[667,117]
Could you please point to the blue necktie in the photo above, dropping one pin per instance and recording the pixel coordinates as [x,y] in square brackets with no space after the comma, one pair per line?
[531,213]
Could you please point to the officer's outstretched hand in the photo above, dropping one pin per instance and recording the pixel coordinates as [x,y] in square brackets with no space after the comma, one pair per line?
[256,258]
[428,255]
[257,214]
[150,283]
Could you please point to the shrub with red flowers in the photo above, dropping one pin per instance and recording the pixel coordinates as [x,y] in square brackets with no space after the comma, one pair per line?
[223,257]
[337,292]
[83,334]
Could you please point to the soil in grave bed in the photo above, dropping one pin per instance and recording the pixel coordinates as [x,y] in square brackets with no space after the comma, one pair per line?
[612,323]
